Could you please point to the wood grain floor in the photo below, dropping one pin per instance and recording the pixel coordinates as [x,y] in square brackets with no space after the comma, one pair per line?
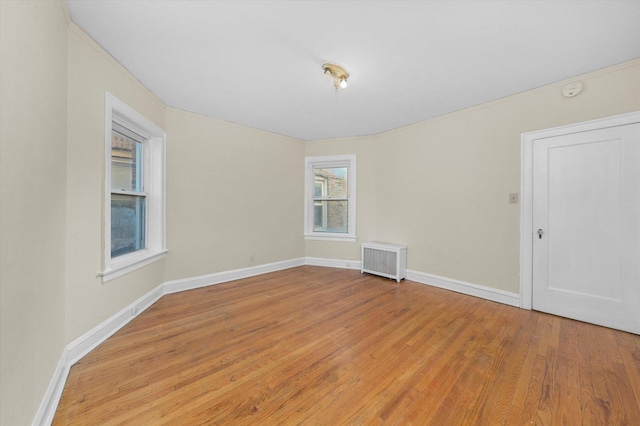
[320,346]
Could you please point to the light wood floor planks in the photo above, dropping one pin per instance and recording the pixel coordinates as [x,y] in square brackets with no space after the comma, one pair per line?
[320,346]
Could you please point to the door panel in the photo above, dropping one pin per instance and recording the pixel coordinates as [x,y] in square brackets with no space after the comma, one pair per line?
[586,196]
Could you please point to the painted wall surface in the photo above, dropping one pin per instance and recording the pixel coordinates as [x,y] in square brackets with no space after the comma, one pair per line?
[234,196]
[91,72]
[442,185]
[32,203]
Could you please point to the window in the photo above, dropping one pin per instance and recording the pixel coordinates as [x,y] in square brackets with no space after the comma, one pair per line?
[134,192]
[330,197]
[128,199]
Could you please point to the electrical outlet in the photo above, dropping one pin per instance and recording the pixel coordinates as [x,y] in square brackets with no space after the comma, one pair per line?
[513,198]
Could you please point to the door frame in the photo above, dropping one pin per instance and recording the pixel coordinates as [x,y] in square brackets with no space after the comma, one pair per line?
[526,189]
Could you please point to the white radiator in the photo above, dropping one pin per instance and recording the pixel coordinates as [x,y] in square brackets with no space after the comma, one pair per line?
[386,260]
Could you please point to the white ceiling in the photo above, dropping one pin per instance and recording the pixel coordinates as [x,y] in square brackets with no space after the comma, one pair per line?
[258,63]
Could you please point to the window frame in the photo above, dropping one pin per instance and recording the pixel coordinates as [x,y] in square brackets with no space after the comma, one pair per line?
[330,161]
[323,182]
[154,188]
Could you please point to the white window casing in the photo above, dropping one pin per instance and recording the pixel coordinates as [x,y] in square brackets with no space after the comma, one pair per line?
[153,178]
[313,203]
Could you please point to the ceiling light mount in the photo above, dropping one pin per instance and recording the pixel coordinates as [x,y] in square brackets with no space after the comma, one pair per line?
[572,89]
[336,73]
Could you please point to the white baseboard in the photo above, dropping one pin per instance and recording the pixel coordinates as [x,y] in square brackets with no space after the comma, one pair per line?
[332,263]
[476,290]
[49,403]
[92,338]
[84,344]
[222,277]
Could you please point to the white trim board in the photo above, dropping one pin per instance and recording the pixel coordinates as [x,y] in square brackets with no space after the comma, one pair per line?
[226,276]
[84,344]
[488,293]
[469,289]
[49,404]
[332,263]
[526,190]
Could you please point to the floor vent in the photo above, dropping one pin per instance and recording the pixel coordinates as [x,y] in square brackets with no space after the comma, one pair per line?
[386,260]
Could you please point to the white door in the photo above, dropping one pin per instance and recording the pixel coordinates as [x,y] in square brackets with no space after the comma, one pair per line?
[586,226]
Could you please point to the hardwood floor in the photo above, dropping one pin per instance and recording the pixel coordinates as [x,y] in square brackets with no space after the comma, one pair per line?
[320,346]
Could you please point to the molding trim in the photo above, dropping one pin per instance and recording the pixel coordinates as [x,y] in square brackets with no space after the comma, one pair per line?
[92,338]
[329,238]
[84,344]
[225,276]
[47,409]
[469,289]
[333,263]
[141,261]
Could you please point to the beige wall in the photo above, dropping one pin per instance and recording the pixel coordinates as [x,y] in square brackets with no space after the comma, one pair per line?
[91,72]
[442,185]
[32,206]
[234,196]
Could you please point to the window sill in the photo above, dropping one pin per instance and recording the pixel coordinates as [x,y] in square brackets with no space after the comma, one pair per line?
[331,237]
[131,262]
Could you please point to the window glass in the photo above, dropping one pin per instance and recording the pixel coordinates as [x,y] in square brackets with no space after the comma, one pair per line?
[320,185]
[126,163]
[128,200]
[127,224]
[331,216]
[319,216]
[335,179]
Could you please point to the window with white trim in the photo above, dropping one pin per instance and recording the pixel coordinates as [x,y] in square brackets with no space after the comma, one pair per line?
[134,191]
[330,197]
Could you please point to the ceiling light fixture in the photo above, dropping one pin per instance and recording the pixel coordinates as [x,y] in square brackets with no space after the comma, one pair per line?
[336,73]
